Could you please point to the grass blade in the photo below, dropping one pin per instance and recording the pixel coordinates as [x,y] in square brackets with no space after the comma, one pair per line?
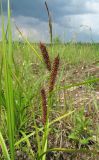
[82,150]
[61,117]
[4,148]
[7,62]
[26,40]
[80,83]
[28,144]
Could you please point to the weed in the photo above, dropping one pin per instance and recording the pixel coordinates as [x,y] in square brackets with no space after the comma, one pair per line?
[82,133]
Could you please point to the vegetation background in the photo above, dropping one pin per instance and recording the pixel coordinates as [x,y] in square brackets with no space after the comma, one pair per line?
[49,98]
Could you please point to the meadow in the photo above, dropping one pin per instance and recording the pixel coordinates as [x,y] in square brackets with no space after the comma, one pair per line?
[73,104]
[49,99]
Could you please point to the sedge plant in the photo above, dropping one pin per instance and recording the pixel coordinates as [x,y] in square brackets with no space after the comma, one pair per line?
[40,132]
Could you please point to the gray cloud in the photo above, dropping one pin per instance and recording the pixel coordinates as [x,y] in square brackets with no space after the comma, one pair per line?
[73,17]
[58,8]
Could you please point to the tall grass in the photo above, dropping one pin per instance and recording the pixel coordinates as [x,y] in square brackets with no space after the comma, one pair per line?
[8,82]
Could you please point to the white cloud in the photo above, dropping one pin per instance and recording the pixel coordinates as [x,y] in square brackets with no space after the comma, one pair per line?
[93,6]
[82,25]
[31,28]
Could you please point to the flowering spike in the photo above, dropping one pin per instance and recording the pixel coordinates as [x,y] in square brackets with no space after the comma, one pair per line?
[44,106]
[54,73]
[45,56]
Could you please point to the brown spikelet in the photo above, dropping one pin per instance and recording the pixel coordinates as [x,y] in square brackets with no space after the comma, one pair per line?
[45,56]
[44,106]
[54,74]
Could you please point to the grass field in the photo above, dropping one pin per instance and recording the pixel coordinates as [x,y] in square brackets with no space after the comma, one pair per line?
[49,99]
[77,131]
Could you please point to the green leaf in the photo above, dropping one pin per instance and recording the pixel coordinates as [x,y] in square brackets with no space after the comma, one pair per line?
[4,148]
[84,141]
[73,136]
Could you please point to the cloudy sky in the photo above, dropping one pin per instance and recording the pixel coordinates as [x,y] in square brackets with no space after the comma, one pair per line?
[72,19]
